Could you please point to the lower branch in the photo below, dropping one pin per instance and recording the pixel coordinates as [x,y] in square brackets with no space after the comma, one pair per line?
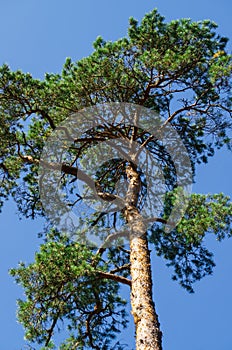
[111,276]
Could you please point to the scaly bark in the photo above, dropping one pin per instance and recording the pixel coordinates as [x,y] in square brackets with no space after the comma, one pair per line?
[148,334]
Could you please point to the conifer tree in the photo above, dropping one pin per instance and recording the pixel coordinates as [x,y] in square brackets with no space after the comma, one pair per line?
[179,70]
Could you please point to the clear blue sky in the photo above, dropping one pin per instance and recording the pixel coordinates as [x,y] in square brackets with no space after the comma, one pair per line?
[37,36]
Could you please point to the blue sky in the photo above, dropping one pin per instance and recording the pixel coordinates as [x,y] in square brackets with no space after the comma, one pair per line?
[37,36]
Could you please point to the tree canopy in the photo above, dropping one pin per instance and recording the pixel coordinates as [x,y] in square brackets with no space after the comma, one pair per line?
[180,70]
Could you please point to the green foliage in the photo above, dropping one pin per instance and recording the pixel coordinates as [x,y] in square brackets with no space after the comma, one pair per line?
[63,290]
[180,69]
[184,247]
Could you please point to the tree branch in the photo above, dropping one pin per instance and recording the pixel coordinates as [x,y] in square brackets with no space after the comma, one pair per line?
[50,331]
[44,115]
[111,276]
[121,268]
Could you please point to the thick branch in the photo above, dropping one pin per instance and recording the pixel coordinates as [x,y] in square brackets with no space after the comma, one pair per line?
[50,331]
[78,173]
[44,115]
[111,276]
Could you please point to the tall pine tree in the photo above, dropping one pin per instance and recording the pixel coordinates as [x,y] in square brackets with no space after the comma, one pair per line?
[180,70]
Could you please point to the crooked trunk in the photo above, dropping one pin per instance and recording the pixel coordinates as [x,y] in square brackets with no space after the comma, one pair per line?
[148,334]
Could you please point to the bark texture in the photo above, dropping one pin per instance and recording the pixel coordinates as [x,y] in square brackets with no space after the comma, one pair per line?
[148,334]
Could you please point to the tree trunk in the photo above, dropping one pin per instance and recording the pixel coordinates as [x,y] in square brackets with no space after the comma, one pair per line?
[148,334]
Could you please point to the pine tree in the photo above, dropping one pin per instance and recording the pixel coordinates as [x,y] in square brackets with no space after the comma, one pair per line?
[180,71]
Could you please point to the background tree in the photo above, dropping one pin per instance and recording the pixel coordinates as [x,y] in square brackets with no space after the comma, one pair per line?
[180,70]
